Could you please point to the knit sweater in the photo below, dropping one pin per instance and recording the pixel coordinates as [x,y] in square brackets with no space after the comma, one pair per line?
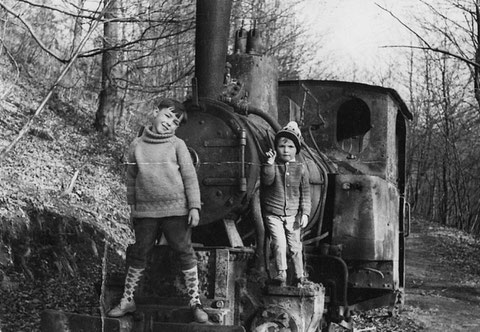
[161,178]
[285,189]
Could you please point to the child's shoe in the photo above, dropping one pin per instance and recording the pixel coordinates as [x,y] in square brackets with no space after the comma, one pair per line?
[123,308]
[199,315]
[302,281]
[280,279]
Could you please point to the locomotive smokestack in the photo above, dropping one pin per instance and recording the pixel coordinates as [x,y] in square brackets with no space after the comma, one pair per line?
[213,26]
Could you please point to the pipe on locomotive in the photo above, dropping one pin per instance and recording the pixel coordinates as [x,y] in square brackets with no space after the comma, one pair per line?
[211,38]
[249,109]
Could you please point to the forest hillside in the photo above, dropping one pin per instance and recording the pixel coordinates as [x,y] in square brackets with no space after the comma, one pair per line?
[62,198]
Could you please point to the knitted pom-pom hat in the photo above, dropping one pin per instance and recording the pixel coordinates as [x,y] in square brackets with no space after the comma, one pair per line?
[290,131]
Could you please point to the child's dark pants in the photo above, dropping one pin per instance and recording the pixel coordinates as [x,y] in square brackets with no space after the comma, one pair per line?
[176,231]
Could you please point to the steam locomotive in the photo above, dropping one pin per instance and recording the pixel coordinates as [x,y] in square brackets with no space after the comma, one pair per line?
[354,148]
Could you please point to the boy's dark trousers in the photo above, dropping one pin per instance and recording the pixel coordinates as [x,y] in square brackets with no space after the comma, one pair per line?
[177,233]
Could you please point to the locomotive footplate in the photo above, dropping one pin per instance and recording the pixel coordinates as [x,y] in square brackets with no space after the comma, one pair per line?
[58,321]
[292,309]
[194,327]
[179,314]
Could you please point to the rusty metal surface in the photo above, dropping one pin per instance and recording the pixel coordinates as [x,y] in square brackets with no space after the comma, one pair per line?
[292,291]
[221,274]
[366,218]
[259,77]
[291,309]
[373,275]
[226,169]
[172,327]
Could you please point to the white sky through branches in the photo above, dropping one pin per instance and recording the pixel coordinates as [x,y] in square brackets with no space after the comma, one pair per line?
[355,31]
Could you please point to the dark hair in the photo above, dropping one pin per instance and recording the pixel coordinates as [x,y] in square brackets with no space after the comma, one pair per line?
[178,108]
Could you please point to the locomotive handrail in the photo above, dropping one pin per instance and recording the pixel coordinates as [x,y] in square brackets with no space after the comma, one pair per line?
[308,92]
[407,229]
[242,143]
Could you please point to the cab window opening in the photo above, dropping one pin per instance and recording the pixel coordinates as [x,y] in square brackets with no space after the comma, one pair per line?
[353,125]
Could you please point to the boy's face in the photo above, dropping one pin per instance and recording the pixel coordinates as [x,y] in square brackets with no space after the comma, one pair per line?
[286,149]
[166,121]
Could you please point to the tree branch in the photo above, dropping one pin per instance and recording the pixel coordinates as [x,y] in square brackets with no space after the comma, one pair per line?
[405,25]
[76,15]
[98,51]
[32,33]
[14,63]
[128,19]
[437,50]
[428,46]
[4,152]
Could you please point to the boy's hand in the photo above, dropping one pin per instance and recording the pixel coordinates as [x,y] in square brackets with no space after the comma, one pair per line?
[271,156]
[193,218]
[304,221]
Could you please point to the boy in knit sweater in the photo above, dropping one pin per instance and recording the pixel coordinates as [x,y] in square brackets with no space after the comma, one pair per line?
[285,199]
[164,196]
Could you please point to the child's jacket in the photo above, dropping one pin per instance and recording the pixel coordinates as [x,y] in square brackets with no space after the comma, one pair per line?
[161,178]
[285,189]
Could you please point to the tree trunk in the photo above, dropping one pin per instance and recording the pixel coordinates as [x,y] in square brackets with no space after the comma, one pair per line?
[476,80]
[77,28]
[106,116]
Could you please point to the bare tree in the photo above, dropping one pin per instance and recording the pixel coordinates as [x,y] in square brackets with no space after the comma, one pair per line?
[463,35]
[445,96]
[283,33]
[444,142]
[106,115]
[146,49]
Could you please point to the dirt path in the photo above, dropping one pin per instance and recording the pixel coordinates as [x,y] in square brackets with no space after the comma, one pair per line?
[443,279]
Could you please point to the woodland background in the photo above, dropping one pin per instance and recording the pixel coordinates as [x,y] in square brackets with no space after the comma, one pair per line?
[61,157]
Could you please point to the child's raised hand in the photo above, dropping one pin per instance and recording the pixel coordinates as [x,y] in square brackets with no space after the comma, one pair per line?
[193,218]
[271,156]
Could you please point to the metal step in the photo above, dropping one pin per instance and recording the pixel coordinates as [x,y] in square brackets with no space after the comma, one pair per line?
[195,327]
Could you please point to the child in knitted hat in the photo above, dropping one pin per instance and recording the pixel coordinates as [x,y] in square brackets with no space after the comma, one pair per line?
[164,197]
[285,198]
